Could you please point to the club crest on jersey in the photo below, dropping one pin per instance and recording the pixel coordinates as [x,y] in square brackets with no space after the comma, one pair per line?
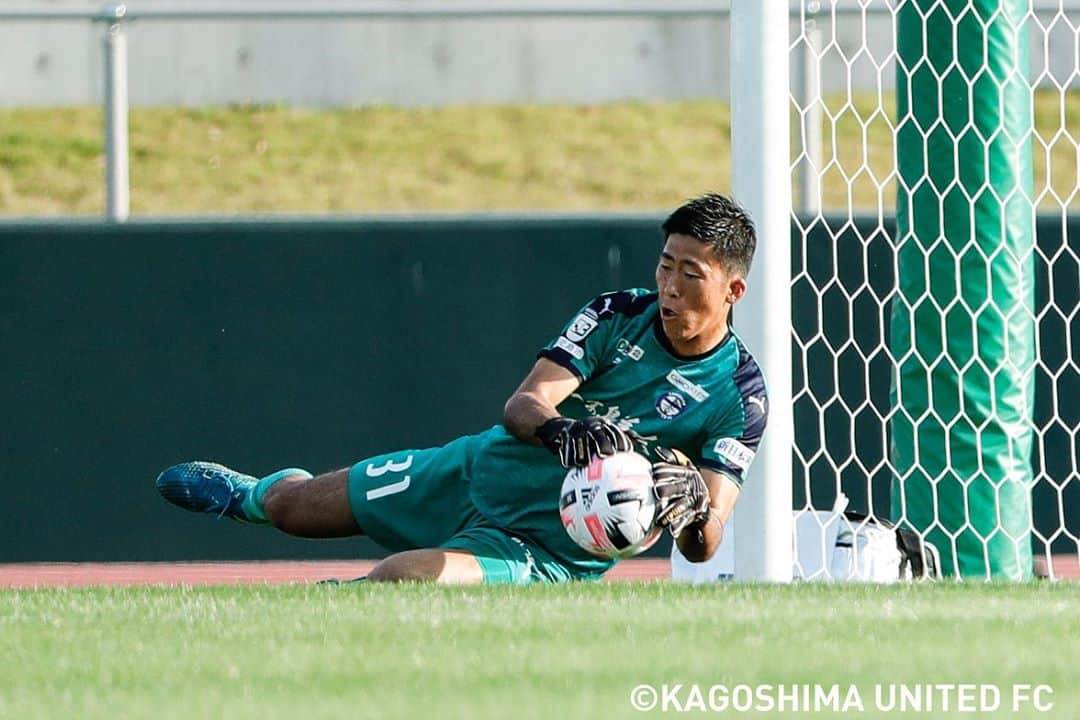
[583,324]
[670,405]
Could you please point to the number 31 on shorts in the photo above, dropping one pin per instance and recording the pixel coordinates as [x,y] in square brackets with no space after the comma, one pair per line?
[373,471]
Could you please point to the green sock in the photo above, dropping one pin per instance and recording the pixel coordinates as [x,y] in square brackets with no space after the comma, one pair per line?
[253,503]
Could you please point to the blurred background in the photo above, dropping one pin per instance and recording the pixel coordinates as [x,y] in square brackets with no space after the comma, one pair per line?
[242,106]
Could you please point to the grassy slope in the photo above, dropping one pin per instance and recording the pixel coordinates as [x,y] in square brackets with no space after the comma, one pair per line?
[268,159]
[374,159]
[538,652]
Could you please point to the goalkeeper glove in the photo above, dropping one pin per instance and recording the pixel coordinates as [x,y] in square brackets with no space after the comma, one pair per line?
[681,493]
[577,442]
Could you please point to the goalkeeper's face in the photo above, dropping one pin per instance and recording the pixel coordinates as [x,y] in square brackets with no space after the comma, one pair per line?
[696,294]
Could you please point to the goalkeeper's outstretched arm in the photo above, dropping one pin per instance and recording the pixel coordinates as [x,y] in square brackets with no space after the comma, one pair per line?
[536,399]
[531,414]
[702,537]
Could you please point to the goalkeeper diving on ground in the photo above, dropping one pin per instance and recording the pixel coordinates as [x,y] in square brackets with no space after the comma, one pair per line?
[642,370]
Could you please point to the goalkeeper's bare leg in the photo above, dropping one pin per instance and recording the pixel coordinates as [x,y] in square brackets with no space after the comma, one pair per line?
[311,507]
[304,506]
[319,508]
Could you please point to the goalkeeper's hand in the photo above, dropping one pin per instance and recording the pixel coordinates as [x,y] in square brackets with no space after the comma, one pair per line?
[681,493]
[577,442]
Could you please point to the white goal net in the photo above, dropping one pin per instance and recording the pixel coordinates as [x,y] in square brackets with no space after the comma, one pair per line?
[937,354]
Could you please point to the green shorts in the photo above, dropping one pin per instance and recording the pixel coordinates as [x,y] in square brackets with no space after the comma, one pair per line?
[420,499]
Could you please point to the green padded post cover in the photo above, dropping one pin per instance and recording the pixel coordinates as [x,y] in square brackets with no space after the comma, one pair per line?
[963,332]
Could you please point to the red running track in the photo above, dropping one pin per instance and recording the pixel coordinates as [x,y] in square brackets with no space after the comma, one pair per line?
[29,575]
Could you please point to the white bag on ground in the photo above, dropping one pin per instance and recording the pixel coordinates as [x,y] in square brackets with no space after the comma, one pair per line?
[866,552]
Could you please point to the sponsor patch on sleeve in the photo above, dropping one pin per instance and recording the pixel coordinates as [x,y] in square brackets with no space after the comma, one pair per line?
[581,327]
[734,453]
[574,349]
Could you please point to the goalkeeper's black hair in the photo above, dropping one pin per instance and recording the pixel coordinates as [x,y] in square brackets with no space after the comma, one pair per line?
[723,224]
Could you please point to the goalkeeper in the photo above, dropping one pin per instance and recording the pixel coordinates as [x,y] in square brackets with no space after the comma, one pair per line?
[660,370]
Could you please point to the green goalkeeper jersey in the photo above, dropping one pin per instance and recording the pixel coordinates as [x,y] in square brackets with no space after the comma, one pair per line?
[711,406]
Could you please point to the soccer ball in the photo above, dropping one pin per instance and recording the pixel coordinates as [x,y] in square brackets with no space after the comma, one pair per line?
[608,508]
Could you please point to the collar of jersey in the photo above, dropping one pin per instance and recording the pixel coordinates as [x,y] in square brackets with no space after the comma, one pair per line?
[658,331]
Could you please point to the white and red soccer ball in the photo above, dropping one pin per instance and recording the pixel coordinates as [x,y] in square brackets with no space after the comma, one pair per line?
[609,508]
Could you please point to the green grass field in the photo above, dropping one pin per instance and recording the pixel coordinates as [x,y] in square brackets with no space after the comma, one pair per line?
[628,155]
[307,652]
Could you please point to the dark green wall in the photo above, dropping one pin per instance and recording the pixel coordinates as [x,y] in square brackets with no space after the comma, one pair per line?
[309,343]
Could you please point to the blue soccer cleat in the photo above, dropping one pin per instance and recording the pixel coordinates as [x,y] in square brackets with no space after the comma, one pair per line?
[207,488]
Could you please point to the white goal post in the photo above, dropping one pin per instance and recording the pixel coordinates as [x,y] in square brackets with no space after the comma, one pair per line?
[761,182]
